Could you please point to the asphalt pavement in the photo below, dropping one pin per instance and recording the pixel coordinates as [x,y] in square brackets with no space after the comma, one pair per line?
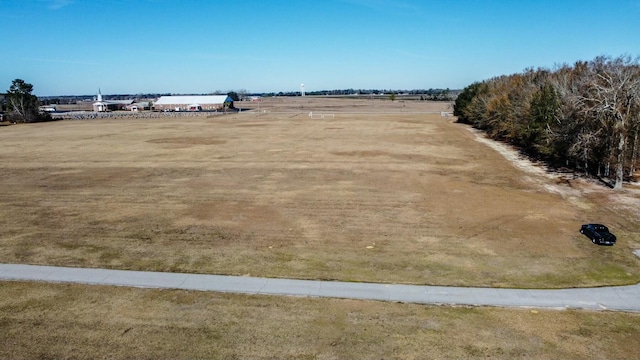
[614,298]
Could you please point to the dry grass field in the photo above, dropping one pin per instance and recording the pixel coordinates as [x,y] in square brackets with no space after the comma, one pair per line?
[382,192]
[365,196]
[56,321]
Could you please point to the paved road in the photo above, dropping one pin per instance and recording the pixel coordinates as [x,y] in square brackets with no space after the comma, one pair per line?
[619,298]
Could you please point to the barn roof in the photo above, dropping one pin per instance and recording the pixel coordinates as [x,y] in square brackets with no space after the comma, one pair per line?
[120,102]
[199,99]
[114,102]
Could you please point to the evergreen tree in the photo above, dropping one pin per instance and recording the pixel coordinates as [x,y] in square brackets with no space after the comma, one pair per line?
[21,102]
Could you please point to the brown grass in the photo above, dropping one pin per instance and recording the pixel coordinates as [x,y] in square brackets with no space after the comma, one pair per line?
[56,321]
[405,197]
[366,196]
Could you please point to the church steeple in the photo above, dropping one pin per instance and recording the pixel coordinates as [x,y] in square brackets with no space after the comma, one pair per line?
[99,95]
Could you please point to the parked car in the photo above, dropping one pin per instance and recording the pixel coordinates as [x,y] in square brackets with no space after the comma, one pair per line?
[598,233]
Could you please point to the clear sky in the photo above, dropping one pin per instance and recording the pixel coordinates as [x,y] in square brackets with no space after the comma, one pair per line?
[74,47]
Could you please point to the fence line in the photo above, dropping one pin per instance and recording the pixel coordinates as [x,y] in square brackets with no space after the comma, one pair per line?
[321,116]
[131,115]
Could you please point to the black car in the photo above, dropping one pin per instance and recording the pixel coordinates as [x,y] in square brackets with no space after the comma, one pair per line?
[598,233]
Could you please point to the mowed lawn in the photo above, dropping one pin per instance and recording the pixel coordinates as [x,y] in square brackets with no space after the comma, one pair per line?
[403,197]
[63,321]
[376,197]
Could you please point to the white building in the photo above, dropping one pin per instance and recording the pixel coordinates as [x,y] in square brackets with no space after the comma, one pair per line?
[193,103]
[110,105]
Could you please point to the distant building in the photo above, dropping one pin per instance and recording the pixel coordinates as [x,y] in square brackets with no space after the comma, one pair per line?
[110,105]
[193,103]
[138,106]
[48,108]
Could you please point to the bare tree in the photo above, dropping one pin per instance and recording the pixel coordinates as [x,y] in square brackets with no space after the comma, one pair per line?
[613,99]
[242,93]
[634,149]
[588,114]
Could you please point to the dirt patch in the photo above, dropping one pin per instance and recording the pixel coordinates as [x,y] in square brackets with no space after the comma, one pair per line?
[188,141]
[563,184]
[367,154]
[252,125]
[240,216]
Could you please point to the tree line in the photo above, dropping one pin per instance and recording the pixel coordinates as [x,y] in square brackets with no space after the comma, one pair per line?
[423,94]
[585,116]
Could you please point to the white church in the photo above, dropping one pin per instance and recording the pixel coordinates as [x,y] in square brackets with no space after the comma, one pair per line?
[110,105]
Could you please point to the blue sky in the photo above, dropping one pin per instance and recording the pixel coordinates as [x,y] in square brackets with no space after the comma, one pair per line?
[73,47]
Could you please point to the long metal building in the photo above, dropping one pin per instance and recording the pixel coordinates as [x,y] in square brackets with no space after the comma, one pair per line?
[193,103]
